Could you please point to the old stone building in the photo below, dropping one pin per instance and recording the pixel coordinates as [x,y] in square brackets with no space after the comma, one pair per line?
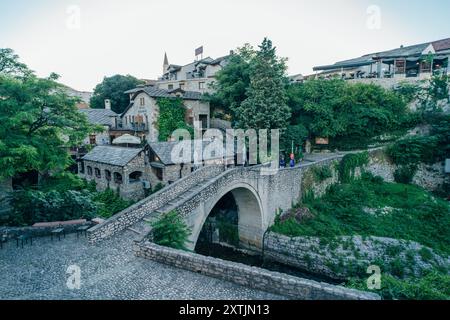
[195,76]
[120,169]
[103,117]
[141,116]
[134,172]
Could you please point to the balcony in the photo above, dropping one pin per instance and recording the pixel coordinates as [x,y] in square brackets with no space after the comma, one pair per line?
[136,127]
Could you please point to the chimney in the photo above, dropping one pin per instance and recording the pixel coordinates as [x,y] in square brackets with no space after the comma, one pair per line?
[231,52]
[107,104]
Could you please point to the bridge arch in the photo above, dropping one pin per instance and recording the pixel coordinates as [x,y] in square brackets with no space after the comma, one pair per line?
[250,214]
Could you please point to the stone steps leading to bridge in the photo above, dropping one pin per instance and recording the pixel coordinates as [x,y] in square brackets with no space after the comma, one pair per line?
[143,227]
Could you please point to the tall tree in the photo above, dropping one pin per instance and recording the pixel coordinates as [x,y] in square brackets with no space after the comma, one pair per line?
[233,80]
[10,64]
[38,123]
[265,106]
[113,88]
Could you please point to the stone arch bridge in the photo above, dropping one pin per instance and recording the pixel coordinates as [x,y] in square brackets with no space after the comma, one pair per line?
[258,194]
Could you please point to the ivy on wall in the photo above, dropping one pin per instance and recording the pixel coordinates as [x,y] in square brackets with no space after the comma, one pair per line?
[349,163]
[172,115]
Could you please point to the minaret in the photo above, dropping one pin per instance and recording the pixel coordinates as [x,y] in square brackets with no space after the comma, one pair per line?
[166,63]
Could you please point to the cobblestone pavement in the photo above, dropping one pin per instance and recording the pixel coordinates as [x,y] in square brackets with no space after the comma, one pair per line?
[109,270]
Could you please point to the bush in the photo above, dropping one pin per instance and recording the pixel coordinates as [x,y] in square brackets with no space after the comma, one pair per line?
[158,187]
[322,173]
[31,206]
[171,231]
[415,214]
[405,174]
[433,286]
[349,164]
[414,150]
[110,203]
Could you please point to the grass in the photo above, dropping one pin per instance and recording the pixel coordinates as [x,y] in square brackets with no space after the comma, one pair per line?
[413,214]
[372,207]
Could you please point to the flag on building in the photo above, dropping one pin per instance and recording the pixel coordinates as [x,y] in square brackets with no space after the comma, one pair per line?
[199,51]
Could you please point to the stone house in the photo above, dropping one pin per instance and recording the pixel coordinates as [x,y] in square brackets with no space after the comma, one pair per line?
[141,116]
[195,76]
[123,170]
[133,172]
[103,117]
[165,169]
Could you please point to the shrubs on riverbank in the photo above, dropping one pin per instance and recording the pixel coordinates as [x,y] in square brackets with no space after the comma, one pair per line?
[370,207]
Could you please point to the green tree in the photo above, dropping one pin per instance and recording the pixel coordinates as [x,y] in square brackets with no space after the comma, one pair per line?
[265,106]
[9,64]
[171,231]
[113,88]
[233,80]
[39,122]
[337,109]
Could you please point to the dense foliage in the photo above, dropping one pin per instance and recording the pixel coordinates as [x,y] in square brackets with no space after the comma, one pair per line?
[39,122]
[341,212]
[233,80]
[171,231]
[433,286]
[338,109]
[349,164]
[62,197]
[396,211]
[113,88]
[172,114]
[409,152]
[265,106]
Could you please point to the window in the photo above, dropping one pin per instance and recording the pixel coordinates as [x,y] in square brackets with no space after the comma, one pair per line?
[170,86]
[92,139]
[400,66]
[425,66]
[81,167]
[135,177]
[108,175]
[117,178]
[142,101]
[203,118]
[97,173]
[89,171]
[201,85]
[158,172]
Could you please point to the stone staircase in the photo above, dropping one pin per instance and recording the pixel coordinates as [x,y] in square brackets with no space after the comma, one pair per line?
[143,227]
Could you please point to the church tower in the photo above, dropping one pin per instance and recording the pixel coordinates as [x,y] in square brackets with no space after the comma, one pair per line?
[166,63]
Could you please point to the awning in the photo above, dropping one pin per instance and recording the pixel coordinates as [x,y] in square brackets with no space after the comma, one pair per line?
[344,66]
[157,165]
[127,139]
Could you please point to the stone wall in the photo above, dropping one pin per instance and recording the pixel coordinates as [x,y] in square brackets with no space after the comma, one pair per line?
[137,211]
[349,256]
[247,276]
[11,232]
[429,177]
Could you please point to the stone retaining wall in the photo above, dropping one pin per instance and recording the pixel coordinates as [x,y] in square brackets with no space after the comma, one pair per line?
[11,232]
[429,177]
[247,276]
[348,256]
[137,211]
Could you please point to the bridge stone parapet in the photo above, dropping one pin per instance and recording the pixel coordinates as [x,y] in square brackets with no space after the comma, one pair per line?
[138,211]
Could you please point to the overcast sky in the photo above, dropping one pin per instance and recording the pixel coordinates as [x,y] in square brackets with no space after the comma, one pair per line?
[85,40]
